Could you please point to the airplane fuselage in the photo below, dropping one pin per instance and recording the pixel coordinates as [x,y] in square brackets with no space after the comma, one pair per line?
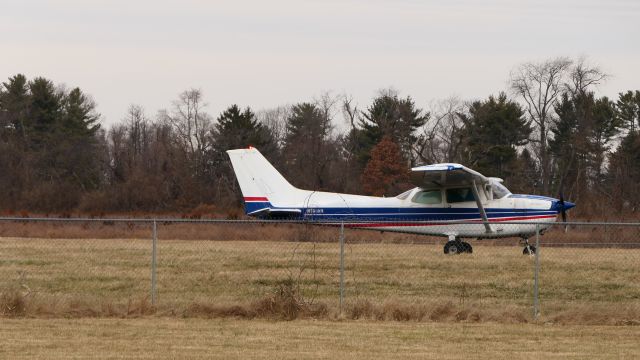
[403,214]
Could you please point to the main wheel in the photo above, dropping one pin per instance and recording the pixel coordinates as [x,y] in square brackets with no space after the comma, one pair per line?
[467,247]
[453,247]
[529,250]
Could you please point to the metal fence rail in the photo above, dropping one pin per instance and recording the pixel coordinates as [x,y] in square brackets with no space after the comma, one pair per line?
[589,271]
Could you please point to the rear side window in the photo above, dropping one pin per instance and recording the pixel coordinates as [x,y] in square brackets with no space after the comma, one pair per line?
[431,197]
[459,195]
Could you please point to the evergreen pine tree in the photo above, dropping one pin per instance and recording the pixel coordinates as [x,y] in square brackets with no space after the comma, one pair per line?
[14,105]
[308,148]
[494,129]
[392,116]
[628,109]
[238,129]
[80,118]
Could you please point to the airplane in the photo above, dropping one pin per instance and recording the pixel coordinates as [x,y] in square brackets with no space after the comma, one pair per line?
[446,195]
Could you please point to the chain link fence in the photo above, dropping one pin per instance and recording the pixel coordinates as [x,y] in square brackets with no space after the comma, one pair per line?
[589,273]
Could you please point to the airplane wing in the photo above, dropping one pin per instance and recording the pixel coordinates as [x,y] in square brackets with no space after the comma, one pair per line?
[451,174]
[445,175]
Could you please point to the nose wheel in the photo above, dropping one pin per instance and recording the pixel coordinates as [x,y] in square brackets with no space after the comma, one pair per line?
[456,246]
[528,249]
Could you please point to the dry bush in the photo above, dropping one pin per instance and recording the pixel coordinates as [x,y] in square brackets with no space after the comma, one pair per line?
[442,312]
[234,213]
[201,211]
[596,315]
[397,311]
[13,303]
[51,196]
[287,303]
[218,311]
[284,303]
[435,312]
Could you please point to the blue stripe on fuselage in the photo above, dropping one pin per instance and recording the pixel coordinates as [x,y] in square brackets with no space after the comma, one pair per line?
[402,214]
[399,214]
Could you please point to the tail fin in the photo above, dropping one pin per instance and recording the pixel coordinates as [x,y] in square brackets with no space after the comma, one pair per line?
[259,181]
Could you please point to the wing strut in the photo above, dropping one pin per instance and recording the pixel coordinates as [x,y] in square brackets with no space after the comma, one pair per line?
[483,213]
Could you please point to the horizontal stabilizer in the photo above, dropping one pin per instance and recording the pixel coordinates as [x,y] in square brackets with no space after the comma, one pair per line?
[270,213]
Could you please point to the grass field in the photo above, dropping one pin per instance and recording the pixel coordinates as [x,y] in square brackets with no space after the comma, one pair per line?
[171,338]
[384,281]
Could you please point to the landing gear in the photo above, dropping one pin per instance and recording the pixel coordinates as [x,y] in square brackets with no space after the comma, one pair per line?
[455,246]
[528,249]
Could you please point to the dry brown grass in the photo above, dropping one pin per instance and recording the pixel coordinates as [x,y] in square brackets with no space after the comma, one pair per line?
[285,280]
[14,304]
[196,231]
[585,234]
[171,338]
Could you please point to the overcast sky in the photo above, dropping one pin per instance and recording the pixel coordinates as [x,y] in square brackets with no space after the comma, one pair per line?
[268,53]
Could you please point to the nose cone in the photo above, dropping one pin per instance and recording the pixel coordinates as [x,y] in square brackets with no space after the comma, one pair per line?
[568,205]
[557,205]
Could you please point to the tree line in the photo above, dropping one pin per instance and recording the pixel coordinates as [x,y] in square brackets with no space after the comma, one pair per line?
[547,133]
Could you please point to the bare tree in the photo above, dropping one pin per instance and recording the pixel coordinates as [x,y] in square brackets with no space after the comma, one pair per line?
[137,125]
[540,85]
[583,75]
[191,124]
[349,110]
[275,119]
[350,115]
[327,105]
[441,137]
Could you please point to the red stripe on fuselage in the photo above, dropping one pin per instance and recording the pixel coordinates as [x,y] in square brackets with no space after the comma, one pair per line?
[392,224]
[255,198]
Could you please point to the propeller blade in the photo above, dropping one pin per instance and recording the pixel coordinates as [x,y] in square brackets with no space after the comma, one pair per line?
[563,211]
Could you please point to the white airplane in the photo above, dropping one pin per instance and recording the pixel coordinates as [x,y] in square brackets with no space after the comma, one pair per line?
[446,195]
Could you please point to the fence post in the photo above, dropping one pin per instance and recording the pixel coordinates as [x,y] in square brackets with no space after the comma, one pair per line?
[341,265]
[536,301]
[154,246]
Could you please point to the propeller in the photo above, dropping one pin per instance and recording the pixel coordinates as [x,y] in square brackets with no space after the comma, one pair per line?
[563,210]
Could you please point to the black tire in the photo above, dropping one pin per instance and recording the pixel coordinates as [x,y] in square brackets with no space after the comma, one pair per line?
[453,247]
[526,250]
[467,248]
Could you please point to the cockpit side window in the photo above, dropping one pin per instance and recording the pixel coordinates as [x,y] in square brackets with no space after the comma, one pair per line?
[428,197]
[459,195]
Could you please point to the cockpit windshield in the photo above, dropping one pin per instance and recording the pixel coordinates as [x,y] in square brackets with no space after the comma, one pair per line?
[499,190]
[404,195]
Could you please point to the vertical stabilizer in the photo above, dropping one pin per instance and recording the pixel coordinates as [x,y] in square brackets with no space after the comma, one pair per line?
[261,184]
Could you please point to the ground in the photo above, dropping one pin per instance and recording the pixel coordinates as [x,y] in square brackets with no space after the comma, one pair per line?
[111,277]
[165,338]
[84,297]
